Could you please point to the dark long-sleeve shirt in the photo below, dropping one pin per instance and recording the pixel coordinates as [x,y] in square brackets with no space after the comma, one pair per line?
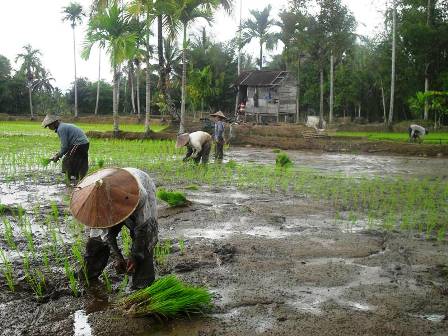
[70,135]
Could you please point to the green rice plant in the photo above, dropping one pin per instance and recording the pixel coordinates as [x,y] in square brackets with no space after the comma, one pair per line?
[231,164]
[45,258]
[76,251]
[192,187]
[27,233]
[70,274]
[54,211]
[107,282]
[276,150]
[100,163]
[126,241]
[36,281]
[161,252]
[123,285]
[8,234]
[7,270]
[45,162]
[181,246]
[167,297]
[173,198]
[283,161]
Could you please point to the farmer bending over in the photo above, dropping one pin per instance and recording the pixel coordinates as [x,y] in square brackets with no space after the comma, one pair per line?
[218,135]
[416,132]
[198,145]
[74,147]
[106,201]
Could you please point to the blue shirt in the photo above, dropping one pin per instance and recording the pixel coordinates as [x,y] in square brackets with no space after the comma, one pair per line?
[70,135]
[219,130]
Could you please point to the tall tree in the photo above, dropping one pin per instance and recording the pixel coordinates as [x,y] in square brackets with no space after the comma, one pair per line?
[259,27]
[31,66]
[112,29]
[392,77]
[338,25]
[190,11]
[74,13]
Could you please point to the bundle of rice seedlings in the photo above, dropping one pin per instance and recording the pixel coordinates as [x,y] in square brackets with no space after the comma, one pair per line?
[45,161]
[173,198]
[167,297]
[283,160]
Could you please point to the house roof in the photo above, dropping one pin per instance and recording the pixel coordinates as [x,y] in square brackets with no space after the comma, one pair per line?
[260,78]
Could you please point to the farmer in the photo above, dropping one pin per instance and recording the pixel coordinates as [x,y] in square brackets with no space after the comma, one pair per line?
[74,147]
[416,132]
[218,135]
[106,201]
[198,145]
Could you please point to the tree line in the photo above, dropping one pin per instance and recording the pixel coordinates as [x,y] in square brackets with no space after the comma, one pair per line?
[401,73]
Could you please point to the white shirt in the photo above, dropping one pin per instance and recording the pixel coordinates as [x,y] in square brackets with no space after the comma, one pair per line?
[197,140]
[417,128]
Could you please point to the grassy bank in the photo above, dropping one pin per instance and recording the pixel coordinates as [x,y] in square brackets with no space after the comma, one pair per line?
[431,138]
[35,128]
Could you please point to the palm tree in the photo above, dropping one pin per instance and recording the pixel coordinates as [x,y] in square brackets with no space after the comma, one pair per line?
[31,66]
[112,29]
[190,11]
[392,76]
[259,27]
[74,13]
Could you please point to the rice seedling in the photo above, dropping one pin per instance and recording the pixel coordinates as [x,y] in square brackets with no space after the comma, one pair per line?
[231,164]
[181,246]
[283,161]
[70,274]
[126,241]
[7,270]
[167,297]
[107,282]
[8,234]
[76,251]
[45,162]
[161,252]
[122,286]
[173,198]
[36,281]
[192,187]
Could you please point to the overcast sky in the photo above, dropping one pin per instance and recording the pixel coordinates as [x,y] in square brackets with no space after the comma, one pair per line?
[40,24]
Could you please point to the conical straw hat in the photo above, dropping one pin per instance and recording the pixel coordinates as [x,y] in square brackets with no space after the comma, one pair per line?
[105,198]
[182,140]
[218,114]
[49,119]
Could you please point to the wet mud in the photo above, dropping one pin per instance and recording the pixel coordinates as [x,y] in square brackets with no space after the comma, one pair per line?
[277,265]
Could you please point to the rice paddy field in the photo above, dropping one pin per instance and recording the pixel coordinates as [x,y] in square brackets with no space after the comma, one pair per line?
[315,244]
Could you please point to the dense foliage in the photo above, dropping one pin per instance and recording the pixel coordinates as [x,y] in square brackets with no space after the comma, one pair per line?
[318,35]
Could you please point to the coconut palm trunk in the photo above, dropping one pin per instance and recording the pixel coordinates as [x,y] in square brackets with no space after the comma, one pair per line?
[148,87]
[321,105]
[98,83]
[131,81]
[30,94]
[298,90]
[330,116]
[76,81]
[428,23]
[115,100]
[162,72]
[261,55]
[138,90]
[184,81]
[392,79]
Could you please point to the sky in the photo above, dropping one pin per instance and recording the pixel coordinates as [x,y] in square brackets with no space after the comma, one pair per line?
[40,24]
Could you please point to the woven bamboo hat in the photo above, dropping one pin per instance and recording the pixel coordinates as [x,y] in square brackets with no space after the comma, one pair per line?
[105,198]
[182,139]
[218,114]
[49,119]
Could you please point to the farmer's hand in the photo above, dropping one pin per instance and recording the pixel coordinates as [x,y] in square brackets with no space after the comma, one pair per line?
[120,266]
[130,267]
[55,158]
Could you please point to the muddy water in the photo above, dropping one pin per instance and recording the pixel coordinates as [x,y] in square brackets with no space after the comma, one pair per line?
[350,164]
[277,265]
